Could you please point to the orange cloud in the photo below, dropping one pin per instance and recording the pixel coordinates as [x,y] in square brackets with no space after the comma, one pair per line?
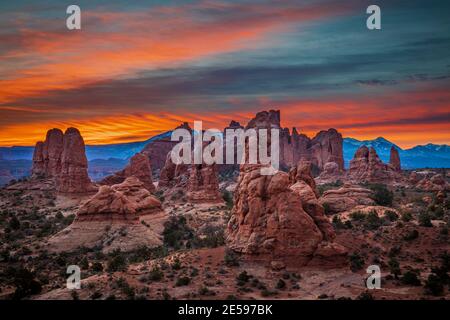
[113,44]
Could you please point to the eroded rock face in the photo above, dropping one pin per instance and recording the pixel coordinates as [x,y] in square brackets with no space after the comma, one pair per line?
[126,200]
[203,185]
[366,166]
[265,120]
[173,179]
[123,216]
[394,159]
[47,155]
[326,147]
[158,149]
[138,167]
[268,221]
[52,152]
[346,198]
[436,183]
[62,158]
[199,183]
[331,173]
[38,169]
[305,187]
[73,177]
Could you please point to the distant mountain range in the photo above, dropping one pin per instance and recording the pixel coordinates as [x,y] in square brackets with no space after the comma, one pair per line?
[422,156]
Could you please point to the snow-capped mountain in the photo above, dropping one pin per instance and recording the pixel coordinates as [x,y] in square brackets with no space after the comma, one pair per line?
[422,156]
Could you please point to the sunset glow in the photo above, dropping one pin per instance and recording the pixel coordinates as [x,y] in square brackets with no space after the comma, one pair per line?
[132,73]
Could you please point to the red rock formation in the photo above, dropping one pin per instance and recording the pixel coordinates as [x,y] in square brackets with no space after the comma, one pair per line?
[366,166]
[38,169]
[394,159]
[203,185]
[52,152]
[126,200]
[138,167]
[265,120]
[326,147]
[158,149]
[73,177]
[47,155]
[305,186]
[123,216]
[436,183]
[345,198]
[62,159]
[269,223]
[172,175]
[331,173]
[198,182]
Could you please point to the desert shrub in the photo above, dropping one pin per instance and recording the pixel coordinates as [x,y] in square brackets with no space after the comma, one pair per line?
[425,220]
[394,251]
[97,267]
[394,267]
[268,293]
[183,281]
[411,235]
[281,284]
[14,223]
[407,216]
[155,274]
[231,258]
[25,282]
[326,208]
[96,295]
[176,265]
[228,198]
[433,285]
[117,262]
[357,216]
[212,237]
[391,215]
[176,231]
[243,277]
[382,195]
[372,221]
[410,278]
[356,261]
[337,223]
[204,291]
[366,295]
[160,195]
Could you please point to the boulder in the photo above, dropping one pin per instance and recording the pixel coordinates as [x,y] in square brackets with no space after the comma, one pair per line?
[126,200]
[123,216]
[345,198]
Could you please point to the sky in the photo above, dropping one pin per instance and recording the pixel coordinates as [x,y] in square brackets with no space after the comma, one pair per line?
[138,68]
